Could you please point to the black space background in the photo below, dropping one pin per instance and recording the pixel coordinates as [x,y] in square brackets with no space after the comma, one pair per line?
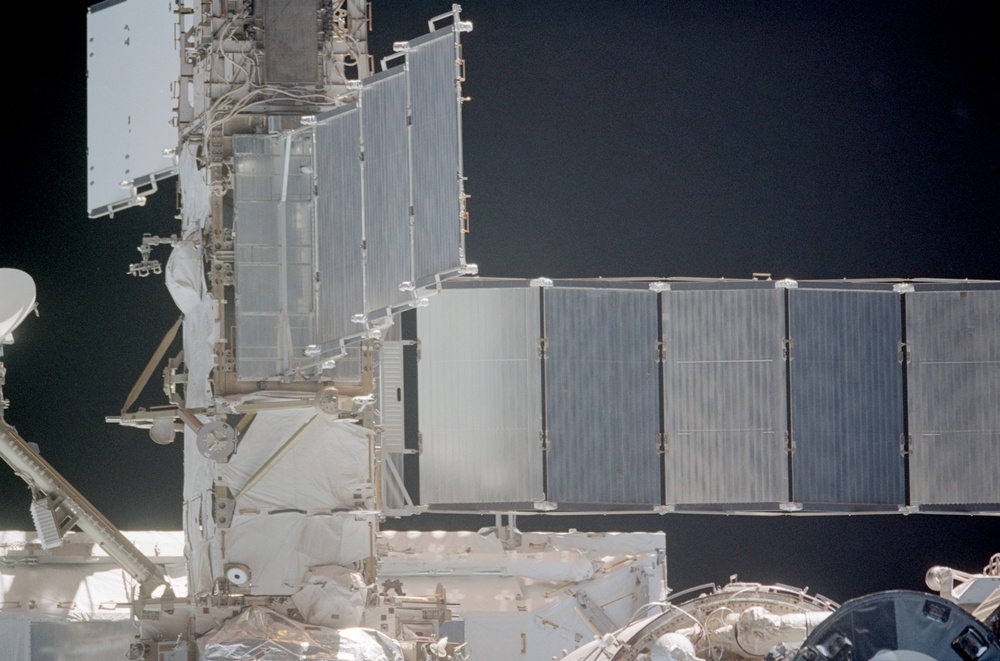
[804,139]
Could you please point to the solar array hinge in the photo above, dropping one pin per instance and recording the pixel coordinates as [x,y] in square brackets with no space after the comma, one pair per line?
[789,441]
[905,444]
[543,440]
[543,348]
[662,442]
[786,348]
[903,352]
[660,352]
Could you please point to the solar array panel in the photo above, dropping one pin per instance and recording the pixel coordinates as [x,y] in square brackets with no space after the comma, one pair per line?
[360,221]
[480,369]
[954,396]
[711,396]
[724,395]
[601,396]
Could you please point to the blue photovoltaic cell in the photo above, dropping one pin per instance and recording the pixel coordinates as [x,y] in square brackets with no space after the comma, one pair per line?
[602,396]
[846,397]
[338,223]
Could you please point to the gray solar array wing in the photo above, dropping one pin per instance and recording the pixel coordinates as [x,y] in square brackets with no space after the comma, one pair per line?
[386,192]
[360,222]
[338,229]
[724,395]
[480,415]
[274,209]
[694,386]
[602,395]
[954,396]
[435,141]
[846,394]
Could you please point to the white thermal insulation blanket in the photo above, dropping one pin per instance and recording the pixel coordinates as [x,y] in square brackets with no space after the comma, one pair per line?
[280,548]
[326,469]
[332,596]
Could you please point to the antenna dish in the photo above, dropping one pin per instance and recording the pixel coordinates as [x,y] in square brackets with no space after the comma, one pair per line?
[17,300]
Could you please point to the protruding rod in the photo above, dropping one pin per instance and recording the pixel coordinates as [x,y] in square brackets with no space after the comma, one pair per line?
[39,474]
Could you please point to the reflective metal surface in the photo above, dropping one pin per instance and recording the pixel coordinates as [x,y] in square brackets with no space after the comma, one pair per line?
[724,396]
[954,396]
[480,396]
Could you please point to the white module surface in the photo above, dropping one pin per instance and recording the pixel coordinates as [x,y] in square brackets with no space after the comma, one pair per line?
[132,67]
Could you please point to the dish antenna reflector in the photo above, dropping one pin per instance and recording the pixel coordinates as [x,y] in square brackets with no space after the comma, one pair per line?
[17,300]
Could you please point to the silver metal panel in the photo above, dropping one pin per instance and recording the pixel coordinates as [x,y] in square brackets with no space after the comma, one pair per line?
[386,190]
[338,224]
[80,641]
[15,633]
[954,396]
[391,396]
[132,66]
[479,380]
[602,396]
[846,394]
[437,232]
[273,229]
[724,396]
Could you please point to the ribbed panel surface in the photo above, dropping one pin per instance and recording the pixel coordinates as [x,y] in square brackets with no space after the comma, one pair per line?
[954,396]
[724,396]
[846,395]
[391,396]
[299,285]
[386,189]
[338,230]
[45,524]
[437,237]
[275,316]
[480,396]
[602,396]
